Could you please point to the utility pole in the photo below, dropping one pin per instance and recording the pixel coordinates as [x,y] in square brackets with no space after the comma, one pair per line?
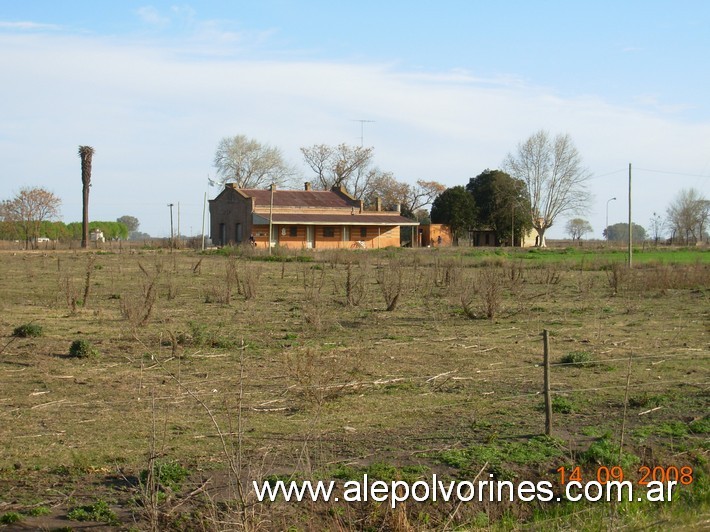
[204,205]
[271,216]
[171,225]
[631,233]
[546,383]
[607,217]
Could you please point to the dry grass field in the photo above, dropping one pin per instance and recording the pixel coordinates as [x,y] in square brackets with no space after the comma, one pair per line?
[147,389]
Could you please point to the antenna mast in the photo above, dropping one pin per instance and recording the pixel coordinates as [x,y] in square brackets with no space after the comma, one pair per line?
[362,130]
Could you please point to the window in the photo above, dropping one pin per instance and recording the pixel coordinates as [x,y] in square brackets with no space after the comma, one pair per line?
[329,232]
[239,232]
[222,234]
[293,231]
[363,232]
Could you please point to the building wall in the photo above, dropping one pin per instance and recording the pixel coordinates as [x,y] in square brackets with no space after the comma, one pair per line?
[528,240]
[432,232]
[484,238]
[230,209]
[375,237]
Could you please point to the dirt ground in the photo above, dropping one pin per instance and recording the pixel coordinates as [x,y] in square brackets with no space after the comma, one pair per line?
[219,367]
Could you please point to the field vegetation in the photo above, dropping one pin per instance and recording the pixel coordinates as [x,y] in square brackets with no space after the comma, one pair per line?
[146,389]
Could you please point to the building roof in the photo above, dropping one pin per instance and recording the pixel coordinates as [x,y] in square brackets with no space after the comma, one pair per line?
[300,198]
[366,218]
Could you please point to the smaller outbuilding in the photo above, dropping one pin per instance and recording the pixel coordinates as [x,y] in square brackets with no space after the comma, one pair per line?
[97,235]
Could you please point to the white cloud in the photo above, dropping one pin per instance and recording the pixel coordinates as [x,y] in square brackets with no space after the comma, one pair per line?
[27,25]
[151,16]
[155,116]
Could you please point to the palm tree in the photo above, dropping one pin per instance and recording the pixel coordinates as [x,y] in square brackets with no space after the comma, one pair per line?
[86,153]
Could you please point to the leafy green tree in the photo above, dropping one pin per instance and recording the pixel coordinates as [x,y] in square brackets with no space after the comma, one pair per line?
[456,208]
[620,232]
[55,231]
[131,222]
[111,230]
[503,203]
[8,230]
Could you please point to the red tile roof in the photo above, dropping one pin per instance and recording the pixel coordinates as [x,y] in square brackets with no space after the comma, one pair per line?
[300,198]
[367,218]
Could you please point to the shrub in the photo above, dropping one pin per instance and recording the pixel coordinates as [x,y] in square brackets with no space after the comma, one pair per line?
[168,474]
[700,426]
[606,452]
[38,511]
[579,358]
[99,511]
[83,349]
[562,405]
[10,518]
[28,330]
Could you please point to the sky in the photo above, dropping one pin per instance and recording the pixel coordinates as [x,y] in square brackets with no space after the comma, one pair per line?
[442,90]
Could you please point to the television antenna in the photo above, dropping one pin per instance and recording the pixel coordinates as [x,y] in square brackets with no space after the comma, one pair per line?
[362,130]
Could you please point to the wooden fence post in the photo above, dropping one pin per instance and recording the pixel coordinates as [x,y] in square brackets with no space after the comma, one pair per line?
[548,399]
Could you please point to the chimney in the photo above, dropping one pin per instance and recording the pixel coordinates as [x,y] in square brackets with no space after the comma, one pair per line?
[378,204]
[308,185]
[398,208]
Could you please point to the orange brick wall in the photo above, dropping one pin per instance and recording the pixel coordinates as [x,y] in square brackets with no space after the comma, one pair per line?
[388,236]
[432,232]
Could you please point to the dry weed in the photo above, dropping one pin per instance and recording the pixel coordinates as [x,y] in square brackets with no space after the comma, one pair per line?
[138,309]
[391,282]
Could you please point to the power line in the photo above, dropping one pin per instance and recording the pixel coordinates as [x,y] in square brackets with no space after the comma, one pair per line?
[672,173]
[608,173]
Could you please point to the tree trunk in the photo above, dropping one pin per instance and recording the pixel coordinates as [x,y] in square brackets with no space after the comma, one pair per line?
[540,240]
[85,217]
[86,154]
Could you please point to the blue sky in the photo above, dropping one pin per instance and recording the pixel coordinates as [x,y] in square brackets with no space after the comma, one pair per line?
[451,88]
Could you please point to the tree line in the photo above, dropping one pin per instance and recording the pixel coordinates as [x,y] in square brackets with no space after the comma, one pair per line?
[540,181]
[31,215]
[543,179]
[250,164]
[58,231]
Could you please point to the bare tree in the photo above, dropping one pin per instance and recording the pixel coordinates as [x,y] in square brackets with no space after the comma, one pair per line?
[250,164]
[86,153]
[578,227]
[421,195]
[657,226]
[28,209]
[556,180]
[688,215]
[384,186]
[341,165]
[392,192]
